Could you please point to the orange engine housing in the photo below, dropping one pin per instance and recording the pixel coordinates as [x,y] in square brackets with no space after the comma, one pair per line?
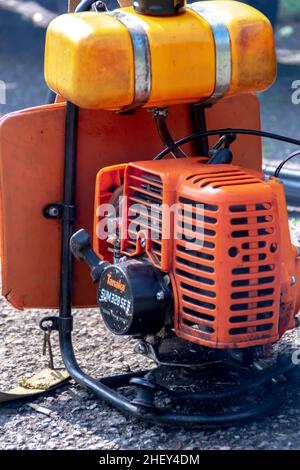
[221,233]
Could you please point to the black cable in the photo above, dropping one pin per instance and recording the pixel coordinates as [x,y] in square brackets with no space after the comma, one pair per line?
[279,168]
[251,132]
[199,125]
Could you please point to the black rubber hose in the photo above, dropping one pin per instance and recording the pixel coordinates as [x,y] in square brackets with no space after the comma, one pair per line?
[282,164]
[251,132]
[164,133]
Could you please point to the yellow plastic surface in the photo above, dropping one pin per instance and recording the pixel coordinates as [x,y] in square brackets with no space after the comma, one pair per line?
[89,57]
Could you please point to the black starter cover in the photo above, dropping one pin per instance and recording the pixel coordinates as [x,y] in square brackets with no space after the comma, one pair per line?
[133,298]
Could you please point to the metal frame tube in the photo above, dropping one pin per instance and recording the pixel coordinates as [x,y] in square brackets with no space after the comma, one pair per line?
[68,213]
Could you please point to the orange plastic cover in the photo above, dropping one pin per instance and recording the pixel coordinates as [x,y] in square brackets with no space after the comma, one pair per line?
[31,176]
[240,225]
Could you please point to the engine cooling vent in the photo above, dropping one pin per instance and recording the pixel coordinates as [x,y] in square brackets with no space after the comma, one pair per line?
[253,283]
[144,205]
[195,268]
[228,276]
[220,179]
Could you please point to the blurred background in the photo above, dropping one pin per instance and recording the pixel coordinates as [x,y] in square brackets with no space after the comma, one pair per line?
[22,32]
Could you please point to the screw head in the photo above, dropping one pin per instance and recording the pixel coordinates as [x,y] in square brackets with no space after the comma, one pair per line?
[141,348]
[293,280]
[53,211]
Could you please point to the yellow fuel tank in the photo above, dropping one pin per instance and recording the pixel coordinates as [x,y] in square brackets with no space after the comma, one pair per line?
[122,60]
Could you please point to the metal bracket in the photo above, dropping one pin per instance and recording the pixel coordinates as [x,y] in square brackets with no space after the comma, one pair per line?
[63,325]
[142,58]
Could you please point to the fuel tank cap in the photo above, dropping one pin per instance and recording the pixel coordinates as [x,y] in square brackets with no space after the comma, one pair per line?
[159,7]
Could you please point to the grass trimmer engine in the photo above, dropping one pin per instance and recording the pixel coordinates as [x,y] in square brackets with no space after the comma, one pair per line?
[202,269]
[201,251]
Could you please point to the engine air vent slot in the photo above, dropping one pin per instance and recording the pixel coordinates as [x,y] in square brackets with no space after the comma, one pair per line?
[197,254]
[191,264]
[254,306]
[254,245]
[194,277]
[145,196]
[264,315]
[204,206]
[253,258]
[222,178]
[199,302]
[197,217]
[254,282]
[258,207]
[238,331]
[198,326]
[240,234]
[200,315]
[239,319]
[266,327]
[194,241]
[145,193]
[247,294]
[197,290]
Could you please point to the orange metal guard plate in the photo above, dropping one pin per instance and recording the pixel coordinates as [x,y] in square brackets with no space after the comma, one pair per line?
[31,171]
